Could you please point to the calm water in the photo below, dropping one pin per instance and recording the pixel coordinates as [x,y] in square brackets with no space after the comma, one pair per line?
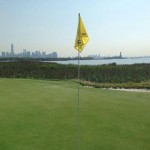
[107,61]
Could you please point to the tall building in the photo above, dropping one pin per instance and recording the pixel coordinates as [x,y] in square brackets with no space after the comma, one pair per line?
[12,54]
[3,54]
[53,55]
[7,54]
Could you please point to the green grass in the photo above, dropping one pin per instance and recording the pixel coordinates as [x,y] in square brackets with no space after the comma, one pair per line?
[41,115]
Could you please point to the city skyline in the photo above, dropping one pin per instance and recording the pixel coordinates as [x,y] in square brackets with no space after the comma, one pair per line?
[113,26]
[27,54]
[43,54]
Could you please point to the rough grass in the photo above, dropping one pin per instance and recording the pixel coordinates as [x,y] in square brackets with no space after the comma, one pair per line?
[41,115]
[128,85]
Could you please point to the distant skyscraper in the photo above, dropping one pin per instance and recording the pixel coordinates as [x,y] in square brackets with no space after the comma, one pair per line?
[12,51]
[3,54]
[54,55]
[7,54]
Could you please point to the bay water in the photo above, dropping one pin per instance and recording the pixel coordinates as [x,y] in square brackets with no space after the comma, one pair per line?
[139,60]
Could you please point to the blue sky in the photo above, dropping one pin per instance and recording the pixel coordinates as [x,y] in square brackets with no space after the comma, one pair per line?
[50,25]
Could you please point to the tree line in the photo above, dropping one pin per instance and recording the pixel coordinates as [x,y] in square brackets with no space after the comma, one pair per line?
[111,73]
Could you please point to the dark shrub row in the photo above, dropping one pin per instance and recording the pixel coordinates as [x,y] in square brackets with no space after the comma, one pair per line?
[99,73]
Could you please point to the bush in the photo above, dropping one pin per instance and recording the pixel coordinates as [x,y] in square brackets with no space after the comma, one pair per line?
[100,73]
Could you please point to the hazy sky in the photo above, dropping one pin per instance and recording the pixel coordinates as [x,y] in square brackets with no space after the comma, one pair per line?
[50,25]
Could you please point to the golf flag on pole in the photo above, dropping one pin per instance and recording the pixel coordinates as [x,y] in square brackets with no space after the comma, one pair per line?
[81,40]
[81,37]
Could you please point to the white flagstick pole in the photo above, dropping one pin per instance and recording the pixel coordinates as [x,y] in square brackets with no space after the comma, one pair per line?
[78,105]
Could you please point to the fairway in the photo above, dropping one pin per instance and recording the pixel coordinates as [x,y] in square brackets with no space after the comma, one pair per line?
[41,115]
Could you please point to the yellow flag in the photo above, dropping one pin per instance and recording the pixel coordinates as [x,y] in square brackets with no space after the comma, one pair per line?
[81,37]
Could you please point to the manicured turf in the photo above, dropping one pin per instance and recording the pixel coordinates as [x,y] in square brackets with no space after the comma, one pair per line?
[41,115]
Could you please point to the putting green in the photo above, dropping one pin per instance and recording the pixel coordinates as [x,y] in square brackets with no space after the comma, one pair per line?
[41,115]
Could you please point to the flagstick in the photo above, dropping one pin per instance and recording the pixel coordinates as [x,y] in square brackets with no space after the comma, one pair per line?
[78,105]
[81,40]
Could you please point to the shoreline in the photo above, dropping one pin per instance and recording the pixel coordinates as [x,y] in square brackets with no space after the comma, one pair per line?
[123,89]
[129,90]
